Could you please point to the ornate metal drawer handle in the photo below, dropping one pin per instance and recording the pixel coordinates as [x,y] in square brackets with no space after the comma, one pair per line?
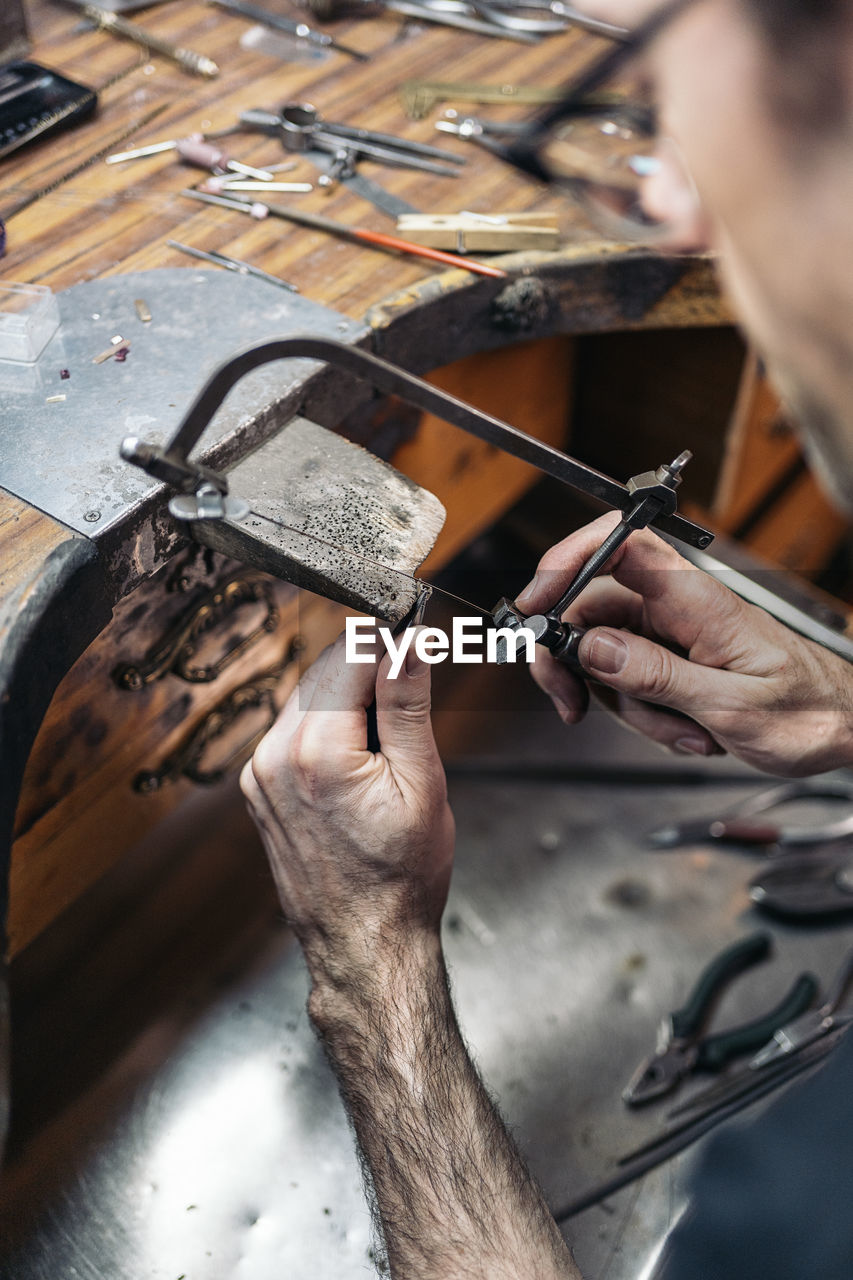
[175,651]
[187,760]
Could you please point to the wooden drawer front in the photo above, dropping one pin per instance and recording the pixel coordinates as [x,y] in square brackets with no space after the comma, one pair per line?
[528,385]
[137,713]
[766,497]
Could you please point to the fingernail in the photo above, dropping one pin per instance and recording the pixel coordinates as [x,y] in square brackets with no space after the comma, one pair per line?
[694,746]
[564,711]
[413,662]
[607,653]
[528,592]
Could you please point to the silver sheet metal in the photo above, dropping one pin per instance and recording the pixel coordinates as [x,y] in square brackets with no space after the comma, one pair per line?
[63,457]
[216,1145]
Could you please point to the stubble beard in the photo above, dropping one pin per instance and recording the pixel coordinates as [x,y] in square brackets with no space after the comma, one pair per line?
[826,436]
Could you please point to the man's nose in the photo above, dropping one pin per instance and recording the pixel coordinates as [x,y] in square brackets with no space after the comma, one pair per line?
[670,198]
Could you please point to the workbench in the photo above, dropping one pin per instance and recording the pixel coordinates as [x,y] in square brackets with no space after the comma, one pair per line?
[86,585]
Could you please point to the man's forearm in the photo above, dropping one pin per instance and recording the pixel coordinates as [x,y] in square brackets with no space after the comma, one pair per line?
[454,1198]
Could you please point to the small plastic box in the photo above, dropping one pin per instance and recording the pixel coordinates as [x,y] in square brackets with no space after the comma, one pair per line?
[29,317]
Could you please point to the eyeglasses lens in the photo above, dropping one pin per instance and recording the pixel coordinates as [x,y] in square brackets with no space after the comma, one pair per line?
[605,157]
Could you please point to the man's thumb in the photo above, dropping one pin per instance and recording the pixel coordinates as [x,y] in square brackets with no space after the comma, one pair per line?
[648,671]
[403,706]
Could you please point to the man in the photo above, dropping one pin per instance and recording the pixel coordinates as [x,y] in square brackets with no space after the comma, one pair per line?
[754,100]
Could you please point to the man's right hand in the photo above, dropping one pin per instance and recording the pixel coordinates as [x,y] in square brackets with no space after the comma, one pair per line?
[745,683]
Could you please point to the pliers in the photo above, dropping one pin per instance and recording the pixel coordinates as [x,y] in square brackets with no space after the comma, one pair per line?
[681,1048]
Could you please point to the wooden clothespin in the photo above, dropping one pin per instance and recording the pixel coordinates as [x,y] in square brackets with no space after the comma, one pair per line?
[468,232]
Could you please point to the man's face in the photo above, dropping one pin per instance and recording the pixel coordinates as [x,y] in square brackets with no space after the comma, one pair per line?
[775,208]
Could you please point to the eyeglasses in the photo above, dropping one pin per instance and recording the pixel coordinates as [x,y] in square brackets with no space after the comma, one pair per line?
[601,147]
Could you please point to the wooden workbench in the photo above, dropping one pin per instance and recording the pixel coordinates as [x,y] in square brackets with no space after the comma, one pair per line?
[72,607]
[70,219]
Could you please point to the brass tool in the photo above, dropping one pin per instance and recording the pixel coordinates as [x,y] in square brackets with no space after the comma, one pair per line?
[196,63]
[420,96]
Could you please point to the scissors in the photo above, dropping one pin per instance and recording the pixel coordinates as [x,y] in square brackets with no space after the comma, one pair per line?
[301,127]
[500,15]
[743,824]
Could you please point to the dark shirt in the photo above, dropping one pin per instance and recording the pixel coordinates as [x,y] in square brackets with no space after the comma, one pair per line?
[773,1197]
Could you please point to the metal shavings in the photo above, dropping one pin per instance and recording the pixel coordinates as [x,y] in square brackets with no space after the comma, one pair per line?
[142,310]
[120,353]
[55,399]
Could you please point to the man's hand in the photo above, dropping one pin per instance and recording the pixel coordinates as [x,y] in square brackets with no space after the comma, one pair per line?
[721,674]
[359,843]
[361,847]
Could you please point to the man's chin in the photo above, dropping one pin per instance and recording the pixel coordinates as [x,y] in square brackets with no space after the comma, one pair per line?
[827,441]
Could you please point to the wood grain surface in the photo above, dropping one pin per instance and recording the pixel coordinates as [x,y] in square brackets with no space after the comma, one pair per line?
[96,219]
[70,218]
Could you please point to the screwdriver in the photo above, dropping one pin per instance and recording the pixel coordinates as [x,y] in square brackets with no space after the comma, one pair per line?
[362,235]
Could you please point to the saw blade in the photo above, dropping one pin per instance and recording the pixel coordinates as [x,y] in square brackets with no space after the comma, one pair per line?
[425,589]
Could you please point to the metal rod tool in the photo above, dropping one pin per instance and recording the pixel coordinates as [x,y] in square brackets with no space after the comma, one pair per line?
[231,264]
[320,40]
[300,127]
[196,63]
[361,235]
[674,1140]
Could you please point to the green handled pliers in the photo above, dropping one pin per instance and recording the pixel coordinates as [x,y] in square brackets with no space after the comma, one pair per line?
[681,1046]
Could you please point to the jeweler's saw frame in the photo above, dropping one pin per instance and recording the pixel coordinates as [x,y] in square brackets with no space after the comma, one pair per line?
[225,521]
